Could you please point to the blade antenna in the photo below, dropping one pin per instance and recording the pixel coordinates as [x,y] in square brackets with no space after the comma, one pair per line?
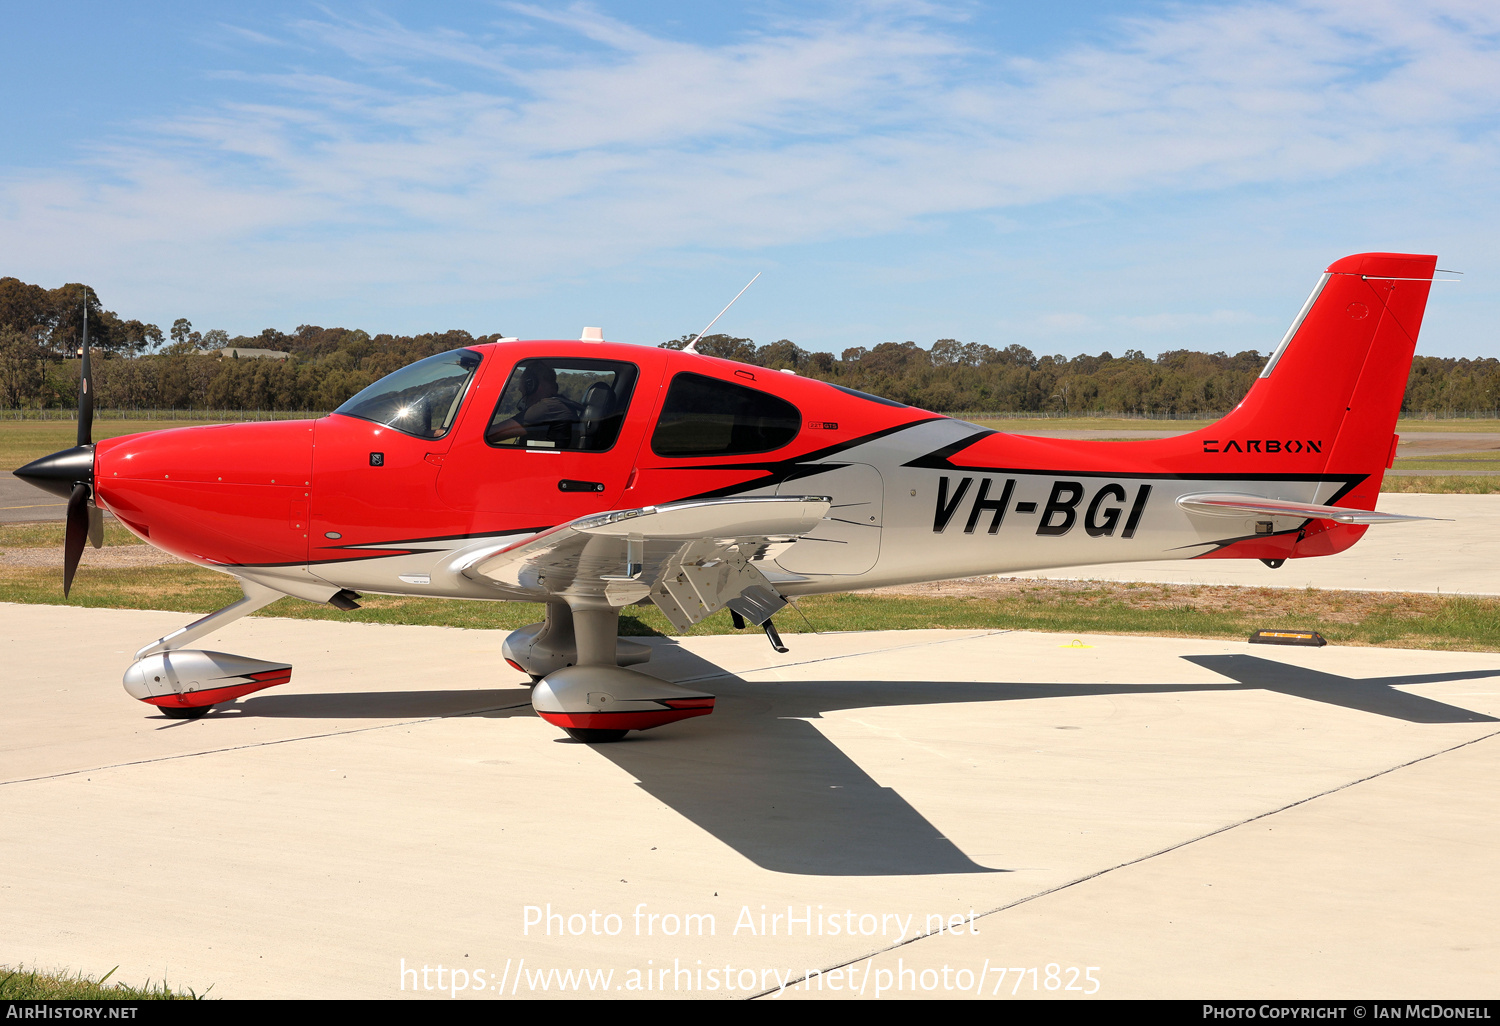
[689,347]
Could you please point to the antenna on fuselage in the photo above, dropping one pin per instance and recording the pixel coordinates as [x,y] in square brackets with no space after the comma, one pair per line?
[689,347]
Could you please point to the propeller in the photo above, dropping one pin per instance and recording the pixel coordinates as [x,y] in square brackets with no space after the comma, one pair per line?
[93,514]
[70,473]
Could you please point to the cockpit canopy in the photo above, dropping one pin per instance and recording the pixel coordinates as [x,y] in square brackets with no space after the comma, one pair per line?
[421,399]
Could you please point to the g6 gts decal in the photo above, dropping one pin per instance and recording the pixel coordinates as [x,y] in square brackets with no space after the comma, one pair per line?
[1058,516]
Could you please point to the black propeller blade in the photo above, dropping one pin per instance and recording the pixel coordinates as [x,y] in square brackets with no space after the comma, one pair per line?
[77,533]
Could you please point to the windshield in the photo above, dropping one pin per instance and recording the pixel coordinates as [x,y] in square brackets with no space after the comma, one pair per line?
[421,399]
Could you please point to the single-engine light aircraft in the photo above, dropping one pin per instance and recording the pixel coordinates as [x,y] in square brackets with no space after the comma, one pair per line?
[590,476]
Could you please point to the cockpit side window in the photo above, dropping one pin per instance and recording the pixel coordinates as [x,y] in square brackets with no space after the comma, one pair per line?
[563,403]
[705,416]
[421,399]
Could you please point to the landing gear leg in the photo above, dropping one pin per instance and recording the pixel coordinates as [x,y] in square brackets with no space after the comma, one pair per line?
[542,648]
[257,596]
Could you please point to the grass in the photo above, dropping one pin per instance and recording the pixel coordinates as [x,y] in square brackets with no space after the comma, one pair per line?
[22,984]
[1349,618]
[1408,425]
[22,441]
[49,535]
[1021,423]
[1459,463]
[1346,618]
[1441,484]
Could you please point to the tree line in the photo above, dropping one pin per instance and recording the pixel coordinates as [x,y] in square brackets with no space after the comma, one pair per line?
[953,376]
[138,366]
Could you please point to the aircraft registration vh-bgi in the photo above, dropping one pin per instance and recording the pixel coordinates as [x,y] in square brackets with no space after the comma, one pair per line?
[591,476]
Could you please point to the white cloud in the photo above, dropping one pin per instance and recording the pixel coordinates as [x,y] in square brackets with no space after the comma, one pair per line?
[1066,323]
[437,159]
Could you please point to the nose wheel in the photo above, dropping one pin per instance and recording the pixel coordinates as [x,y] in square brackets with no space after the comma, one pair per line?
[594,736]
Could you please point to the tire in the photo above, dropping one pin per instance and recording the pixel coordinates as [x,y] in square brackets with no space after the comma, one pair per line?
[593,735]
[184,712]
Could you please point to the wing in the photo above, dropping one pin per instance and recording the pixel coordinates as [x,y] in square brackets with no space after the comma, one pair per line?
[1231,505]
[691,558]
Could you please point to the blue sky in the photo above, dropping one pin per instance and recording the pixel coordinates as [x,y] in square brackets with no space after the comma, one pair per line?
[1073,177]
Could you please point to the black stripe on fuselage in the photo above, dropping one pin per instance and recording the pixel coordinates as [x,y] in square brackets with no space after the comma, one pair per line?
[794,468]
[940,459]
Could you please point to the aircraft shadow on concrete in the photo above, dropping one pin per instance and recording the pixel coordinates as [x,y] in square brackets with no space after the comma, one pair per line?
[1368,694]
[380,705]
[759,776]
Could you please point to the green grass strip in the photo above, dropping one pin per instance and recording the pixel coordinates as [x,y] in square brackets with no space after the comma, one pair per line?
[1351,618]
[22,984]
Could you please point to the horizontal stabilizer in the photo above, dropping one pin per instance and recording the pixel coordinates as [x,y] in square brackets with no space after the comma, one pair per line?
[1229,504]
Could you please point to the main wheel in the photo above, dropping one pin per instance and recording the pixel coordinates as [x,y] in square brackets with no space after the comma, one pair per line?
[184,712]
[594,736]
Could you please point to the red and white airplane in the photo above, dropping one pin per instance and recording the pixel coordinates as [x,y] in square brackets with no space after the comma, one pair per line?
[590,476]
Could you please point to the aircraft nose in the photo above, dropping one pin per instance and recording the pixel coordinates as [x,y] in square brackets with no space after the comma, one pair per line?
[59,472]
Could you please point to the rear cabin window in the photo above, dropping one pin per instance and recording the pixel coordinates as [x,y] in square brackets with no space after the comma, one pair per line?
[563,404]
[704,416]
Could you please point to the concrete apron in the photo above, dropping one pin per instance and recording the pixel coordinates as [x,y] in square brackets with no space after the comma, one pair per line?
[1453,556]
[1188,818]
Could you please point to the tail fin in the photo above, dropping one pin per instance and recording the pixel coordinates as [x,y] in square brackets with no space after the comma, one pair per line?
[1333,388]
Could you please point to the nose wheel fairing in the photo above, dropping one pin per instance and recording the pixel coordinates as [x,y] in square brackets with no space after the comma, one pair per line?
[187,678]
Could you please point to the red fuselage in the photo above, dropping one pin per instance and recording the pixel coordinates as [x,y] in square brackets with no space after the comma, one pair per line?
[273,493]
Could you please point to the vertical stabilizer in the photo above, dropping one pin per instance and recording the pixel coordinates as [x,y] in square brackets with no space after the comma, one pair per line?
[1338,377]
